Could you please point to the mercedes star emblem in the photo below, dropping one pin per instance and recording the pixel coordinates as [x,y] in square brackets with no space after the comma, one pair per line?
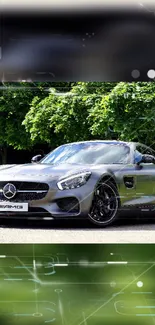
[9,191]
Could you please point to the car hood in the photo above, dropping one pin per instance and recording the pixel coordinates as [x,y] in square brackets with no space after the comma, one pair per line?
[39,172]
[5,166]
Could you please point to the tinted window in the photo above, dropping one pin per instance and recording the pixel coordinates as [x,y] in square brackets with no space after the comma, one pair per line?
[145,150]
[142,150]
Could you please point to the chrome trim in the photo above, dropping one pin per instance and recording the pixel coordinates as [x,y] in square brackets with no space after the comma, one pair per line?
[32,191]
[28,191]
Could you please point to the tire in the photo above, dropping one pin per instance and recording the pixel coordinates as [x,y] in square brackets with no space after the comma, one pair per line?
[105,204]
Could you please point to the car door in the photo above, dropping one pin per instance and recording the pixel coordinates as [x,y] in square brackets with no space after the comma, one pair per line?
[141,179]
[145,178]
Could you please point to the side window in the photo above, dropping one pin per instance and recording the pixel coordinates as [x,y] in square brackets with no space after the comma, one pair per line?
[143,150]
[140,149]
[149,151]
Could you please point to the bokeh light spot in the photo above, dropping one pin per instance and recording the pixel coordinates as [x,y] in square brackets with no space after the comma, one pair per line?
[139,284]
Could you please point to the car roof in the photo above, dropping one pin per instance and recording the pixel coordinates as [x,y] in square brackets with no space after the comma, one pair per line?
[102,141]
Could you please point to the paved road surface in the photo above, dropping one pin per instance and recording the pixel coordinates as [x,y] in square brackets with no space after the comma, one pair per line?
[125,231]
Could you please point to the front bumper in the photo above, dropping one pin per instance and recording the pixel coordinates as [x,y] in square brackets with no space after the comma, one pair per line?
[73,203]
[66,204]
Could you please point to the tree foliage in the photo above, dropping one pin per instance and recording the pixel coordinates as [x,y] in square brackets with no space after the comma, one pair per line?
[64,117]
[55,113]
[129,109]
[15,99]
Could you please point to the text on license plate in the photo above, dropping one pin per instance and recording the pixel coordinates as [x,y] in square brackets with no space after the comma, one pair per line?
[12,206]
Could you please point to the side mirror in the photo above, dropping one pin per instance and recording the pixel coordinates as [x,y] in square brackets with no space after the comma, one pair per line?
[36,159]
[147,159]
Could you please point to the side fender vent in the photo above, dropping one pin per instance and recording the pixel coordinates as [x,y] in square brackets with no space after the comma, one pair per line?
[129,182]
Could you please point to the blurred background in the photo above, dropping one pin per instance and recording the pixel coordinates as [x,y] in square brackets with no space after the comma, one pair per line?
[84,41]
[77,284]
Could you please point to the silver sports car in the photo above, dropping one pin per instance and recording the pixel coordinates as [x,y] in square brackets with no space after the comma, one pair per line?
[91,179]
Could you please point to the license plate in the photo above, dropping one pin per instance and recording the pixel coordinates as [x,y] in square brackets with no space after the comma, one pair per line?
[12,206]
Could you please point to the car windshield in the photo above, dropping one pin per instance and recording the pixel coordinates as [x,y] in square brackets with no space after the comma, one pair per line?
[89,153]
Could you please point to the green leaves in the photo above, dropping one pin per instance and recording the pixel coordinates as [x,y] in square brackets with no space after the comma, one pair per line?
[55,113]
[94,110]
[15,100]
[129,108]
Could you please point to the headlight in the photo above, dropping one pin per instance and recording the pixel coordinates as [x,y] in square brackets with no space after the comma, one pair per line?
[73,181]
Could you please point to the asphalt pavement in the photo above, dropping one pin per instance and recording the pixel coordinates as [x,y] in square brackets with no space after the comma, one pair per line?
[126,230]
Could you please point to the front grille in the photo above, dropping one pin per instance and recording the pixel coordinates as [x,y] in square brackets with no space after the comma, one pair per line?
[70,204]
[20,196]
[27,186]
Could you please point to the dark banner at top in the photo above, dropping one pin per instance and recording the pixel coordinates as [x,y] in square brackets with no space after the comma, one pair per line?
[94,44]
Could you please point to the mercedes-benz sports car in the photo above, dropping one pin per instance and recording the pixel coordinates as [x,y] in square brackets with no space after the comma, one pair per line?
[91,179]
